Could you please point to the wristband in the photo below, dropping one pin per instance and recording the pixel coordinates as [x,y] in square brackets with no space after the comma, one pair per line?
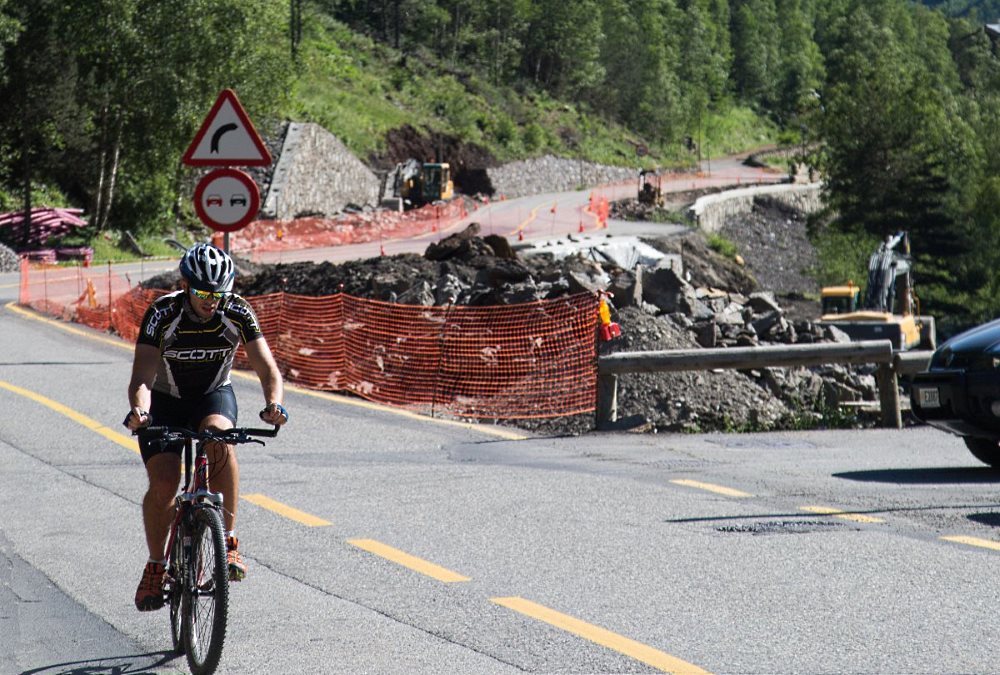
[278,407]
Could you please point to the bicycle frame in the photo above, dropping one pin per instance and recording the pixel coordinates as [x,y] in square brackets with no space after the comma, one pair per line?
[190,495]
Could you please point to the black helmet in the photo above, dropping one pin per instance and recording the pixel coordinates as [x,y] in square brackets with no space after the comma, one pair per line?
[208,268]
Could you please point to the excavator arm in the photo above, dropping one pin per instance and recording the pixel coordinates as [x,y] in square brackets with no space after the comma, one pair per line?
[886,265]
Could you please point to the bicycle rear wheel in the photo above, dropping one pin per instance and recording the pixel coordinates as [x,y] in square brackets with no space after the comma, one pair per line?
[206,597]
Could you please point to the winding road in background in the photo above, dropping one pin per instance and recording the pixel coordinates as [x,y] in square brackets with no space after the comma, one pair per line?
[553,215]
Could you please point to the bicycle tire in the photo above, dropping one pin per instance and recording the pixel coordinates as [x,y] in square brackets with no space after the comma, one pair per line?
[206,593]
[175,590]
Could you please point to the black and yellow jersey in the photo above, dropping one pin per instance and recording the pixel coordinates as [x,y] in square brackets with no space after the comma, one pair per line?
[196,356]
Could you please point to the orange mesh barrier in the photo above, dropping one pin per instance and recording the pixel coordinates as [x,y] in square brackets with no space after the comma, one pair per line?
[281,235]
[78,293]
[503,362]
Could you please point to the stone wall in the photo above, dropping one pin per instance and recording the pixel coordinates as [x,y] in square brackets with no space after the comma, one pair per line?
[553,174]
[710,212]
[317,174]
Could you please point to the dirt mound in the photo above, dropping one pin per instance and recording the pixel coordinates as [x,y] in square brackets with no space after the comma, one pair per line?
[468,161]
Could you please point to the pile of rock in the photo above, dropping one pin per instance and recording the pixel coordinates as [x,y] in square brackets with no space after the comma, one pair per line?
[681,295]
[9,261]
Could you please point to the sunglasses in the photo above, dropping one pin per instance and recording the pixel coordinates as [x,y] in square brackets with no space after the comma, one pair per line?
[208,295]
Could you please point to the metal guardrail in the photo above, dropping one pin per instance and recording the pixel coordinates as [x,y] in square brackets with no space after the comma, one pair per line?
[890,365]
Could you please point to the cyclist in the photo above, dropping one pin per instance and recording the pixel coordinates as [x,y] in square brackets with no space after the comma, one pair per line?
[180,377]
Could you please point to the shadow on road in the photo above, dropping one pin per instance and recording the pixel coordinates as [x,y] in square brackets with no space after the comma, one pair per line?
[134,664]
[990,519]
[929,476]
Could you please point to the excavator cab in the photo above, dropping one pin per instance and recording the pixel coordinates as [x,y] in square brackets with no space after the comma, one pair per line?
[840,299]
[436,184]
[417,184]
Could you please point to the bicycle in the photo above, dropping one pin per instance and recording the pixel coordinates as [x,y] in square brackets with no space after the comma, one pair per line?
[196,584]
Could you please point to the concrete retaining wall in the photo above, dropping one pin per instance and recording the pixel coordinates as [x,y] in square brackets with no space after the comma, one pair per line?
[554,174]
[710,212]
[317,174]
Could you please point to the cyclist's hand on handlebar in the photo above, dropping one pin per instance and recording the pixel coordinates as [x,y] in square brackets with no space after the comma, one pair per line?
[274,413]
[136,419]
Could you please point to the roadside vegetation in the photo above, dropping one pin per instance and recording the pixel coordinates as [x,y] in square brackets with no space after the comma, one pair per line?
[895,103]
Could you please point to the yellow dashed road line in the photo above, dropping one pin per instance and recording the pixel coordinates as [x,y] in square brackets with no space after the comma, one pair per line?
[974,541]
[527,221]
[843,515]
[284,510]
[344,400]
[711,487]
[623,645]
[409,561]
[79,418]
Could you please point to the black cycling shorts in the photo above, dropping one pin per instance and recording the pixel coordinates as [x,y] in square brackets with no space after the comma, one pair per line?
[167,411]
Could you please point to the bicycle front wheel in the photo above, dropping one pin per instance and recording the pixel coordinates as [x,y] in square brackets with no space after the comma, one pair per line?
[175,590]
[206,598]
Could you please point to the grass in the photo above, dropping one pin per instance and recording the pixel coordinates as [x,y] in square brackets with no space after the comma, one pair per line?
[359,89]
[721,245]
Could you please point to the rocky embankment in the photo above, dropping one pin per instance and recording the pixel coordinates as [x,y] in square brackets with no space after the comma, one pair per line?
[669,293]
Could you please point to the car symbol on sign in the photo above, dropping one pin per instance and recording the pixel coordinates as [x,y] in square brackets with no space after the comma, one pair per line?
[213,200]
[238,199]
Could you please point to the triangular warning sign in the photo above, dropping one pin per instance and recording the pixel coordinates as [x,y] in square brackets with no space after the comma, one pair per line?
[227,137]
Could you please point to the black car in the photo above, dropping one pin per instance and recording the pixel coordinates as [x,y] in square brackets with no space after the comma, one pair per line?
[960,390]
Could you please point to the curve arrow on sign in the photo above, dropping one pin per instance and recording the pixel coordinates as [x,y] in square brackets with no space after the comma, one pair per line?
[219,133]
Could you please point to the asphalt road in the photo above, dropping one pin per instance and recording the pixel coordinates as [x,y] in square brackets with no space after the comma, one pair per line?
[448,548]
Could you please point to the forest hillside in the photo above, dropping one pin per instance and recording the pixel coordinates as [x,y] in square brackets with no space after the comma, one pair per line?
[895,102]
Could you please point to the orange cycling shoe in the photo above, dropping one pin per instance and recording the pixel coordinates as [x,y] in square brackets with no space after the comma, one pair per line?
[149,595]
[237,568]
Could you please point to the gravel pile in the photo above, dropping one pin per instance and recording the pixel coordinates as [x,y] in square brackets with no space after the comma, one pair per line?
[9,261]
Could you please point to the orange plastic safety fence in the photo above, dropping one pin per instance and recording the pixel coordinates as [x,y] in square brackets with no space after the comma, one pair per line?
[279,235]
[502,362]
[80,293]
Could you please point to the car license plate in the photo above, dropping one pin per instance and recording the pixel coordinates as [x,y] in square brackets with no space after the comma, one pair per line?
[929,398]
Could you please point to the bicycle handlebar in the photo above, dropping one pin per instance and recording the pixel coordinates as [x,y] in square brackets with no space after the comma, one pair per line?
[234,436]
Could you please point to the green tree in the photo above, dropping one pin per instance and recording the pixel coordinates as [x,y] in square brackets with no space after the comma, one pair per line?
[150,70]
[563,47]
[38,118]
[640,56]
[756,67]
[801,70]
[495,37]
[897,149]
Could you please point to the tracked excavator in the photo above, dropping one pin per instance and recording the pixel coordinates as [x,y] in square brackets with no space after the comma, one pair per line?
[418,183]
[650,187]
[889,309]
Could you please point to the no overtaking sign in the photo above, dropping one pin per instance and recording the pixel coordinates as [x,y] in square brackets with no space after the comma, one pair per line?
[227,199]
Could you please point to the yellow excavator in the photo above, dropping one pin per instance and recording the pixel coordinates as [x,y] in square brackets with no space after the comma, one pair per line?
[418,184]
[889,309]
[650,187]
